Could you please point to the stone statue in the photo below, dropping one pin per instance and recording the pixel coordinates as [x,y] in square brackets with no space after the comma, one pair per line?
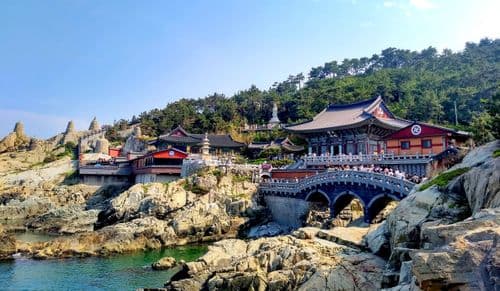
[274,119]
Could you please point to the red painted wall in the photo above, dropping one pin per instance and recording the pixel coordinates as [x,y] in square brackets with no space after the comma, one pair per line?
[426,131]
[299,174]
[114,152]
[170,154]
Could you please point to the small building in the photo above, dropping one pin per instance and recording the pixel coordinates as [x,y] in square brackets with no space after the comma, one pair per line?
[103,172]
[160,166]
[192,143]
[286,147]
[423,139]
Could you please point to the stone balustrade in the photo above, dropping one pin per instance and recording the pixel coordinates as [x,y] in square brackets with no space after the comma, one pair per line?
[367,159]
[291,187]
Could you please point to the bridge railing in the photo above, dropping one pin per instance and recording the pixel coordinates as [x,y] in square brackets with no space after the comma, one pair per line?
[385,182]
[365,158]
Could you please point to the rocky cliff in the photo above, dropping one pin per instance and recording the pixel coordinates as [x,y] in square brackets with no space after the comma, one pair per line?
[447,237]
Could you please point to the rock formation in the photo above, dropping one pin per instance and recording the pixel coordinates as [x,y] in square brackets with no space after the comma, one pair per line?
[70,134]
[134,142]
[7,245]
[164,263]
[280,263]
[446,237]
[15,140]
[94,125]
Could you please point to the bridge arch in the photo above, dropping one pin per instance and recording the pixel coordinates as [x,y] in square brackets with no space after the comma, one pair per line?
[377,205]
[319,208]
[317,194]
[346,199]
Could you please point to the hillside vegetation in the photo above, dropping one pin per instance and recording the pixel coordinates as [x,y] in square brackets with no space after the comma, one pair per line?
[420,86]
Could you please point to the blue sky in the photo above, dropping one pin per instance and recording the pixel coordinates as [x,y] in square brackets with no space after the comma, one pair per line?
[62,60]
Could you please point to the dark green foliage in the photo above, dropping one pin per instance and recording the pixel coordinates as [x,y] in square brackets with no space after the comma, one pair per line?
[281,163]
[444,178]
[420,86]
[496,153]
[270,152]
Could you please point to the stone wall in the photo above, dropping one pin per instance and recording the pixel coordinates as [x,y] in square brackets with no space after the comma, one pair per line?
[287,211]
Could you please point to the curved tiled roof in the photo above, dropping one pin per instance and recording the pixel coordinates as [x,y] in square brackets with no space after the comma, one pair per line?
[348,116]
[215,140]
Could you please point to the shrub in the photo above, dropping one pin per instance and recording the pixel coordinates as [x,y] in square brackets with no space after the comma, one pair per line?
[444,178]
[496,153]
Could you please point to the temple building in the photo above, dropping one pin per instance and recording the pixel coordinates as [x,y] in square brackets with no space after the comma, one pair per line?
[192,143]
[369,127]
[160,166]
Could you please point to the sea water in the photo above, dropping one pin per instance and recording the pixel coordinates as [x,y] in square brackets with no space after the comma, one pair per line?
[119,272]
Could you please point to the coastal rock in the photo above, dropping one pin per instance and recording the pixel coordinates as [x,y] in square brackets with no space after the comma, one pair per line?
[201,219]
[155,199]
[164,263]
[481,185]
[280,263]
[53,172]
[7,245]
[65,220]
[464,254]
[478,156]
[139,234]
[27,208]
[404,222]
[377,240]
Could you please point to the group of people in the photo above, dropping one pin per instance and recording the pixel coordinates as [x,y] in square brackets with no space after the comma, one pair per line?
[381,170]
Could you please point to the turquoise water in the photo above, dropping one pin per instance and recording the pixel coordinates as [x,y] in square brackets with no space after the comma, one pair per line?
[120,272]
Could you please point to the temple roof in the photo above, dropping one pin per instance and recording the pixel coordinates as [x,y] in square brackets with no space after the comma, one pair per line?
[351,115]
[284,143]
[181,136]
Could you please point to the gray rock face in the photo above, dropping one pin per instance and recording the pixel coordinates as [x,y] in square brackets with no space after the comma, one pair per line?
[7,245]
[145,199]
[446,250]
[462,254]
[65,220]
[478,155]
[94,125]
[481,185]
[377,240]
[134,144]
[164,263]
[21,210]
[280,263]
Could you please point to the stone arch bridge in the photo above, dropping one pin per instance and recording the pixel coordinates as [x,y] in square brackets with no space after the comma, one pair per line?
[289,200]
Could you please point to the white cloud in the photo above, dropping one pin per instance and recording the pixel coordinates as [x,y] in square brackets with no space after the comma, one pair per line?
[422,4]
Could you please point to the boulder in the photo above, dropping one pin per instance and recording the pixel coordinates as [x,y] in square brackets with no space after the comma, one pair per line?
[154,199]
[65,220]
[481,185]
[281,263]
[478,156]
[377,240]
[7,245]
[164,263]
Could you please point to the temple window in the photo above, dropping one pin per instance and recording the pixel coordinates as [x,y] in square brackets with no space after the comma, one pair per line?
[405,145]
[427,143]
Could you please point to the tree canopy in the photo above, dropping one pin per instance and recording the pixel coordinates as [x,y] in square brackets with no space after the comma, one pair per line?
[422,86]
